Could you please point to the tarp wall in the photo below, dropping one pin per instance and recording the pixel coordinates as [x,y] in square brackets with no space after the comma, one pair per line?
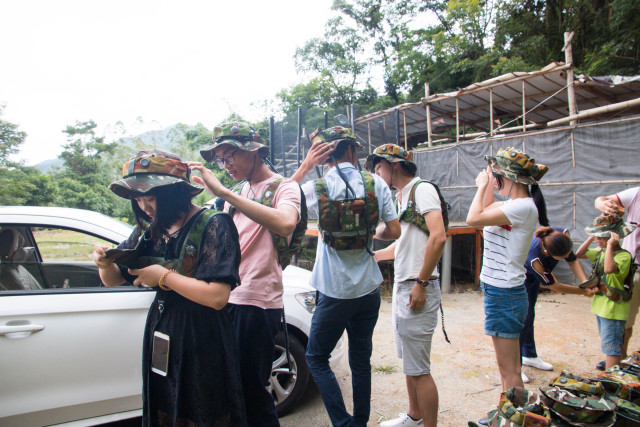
[585,161]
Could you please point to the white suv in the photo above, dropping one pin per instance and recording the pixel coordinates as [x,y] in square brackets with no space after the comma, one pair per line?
[70,348]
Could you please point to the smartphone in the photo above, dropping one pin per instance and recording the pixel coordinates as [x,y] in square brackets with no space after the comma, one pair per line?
[160,354]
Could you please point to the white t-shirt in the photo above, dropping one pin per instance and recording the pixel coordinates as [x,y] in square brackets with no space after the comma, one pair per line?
[506,246]
[410,247]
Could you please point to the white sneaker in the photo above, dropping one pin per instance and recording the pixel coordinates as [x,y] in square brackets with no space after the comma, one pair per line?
[536,362]
[402,420]
[525,378]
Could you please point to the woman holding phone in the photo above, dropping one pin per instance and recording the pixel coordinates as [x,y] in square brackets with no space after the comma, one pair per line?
[191,256]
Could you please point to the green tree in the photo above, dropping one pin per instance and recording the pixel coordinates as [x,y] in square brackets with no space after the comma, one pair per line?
[10,140]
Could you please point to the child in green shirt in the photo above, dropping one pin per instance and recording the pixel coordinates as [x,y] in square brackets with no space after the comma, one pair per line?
[611,265]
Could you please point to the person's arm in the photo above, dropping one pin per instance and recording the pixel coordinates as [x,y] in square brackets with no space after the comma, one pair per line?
[107,269]
[578,271]
[479,215]
[608,204]
[610,265]
[432,254]
[564,288]
[390,231]
[317,155]
[386,254]
[210,294]
[281,220]
[582,250]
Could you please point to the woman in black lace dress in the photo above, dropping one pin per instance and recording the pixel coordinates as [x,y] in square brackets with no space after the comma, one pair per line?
[191,256]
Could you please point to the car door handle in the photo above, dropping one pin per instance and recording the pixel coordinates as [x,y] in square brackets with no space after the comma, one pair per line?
[21,329]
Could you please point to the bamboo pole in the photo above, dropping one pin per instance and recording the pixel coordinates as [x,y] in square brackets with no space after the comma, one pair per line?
[491,111]
[404,120]
[369,132]
[573,151]
[457,120]
[595,111]
[574,210]
[428,112]
[568,59]
[524,109]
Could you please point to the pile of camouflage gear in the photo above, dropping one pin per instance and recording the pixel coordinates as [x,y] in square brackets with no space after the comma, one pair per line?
[611,399]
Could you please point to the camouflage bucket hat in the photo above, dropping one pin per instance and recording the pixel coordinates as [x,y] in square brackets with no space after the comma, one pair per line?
[148,171]
[391,153]
[604,224]
[580,409]
[238,134]
[337,133]
[516,166]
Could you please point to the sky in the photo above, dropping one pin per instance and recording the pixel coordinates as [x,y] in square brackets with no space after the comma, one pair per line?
[147,64]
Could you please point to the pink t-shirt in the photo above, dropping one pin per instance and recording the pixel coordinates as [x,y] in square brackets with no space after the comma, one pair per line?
[260,273]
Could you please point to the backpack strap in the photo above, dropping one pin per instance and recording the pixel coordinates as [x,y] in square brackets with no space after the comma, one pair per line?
[411,216]
[192,245]
[615,294]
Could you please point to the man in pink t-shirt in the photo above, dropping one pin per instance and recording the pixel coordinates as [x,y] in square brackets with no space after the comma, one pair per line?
[628,199]
[256,305]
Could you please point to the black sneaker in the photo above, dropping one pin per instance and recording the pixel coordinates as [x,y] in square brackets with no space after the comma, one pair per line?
[601,365]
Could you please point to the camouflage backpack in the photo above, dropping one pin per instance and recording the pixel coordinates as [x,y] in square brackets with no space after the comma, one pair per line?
[286,250]
[519,407]
[357,218]
[189,253]
[599,279]
[411,216]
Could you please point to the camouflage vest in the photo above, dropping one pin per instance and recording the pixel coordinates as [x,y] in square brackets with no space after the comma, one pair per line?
[286,249]
[412,217]
[347,224]
[614,294]
[189,253]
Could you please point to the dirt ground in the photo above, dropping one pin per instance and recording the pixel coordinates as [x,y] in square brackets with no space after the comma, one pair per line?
[465,371]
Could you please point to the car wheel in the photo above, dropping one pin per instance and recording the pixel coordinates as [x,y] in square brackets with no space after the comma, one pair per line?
[285,386]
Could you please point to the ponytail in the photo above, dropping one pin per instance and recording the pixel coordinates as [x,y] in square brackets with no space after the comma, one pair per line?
[538,199]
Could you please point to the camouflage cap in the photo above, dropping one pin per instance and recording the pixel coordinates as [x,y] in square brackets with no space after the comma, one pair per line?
[337,133]
[516,166]
[391,153]
[240,135]
[604,224]
[143,173]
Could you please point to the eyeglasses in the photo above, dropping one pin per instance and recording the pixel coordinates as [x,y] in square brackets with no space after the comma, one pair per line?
[228,159]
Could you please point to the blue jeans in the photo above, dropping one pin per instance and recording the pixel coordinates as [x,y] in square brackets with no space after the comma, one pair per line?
[505,310]
[527,339]
[331,317]
[611,335]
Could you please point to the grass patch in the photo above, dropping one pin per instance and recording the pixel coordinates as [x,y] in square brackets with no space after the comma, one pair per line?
[385,369]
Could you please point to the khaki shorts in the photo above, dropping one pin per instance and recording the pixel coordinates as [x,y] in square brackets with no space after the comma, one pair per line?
[413,329]
[634,304]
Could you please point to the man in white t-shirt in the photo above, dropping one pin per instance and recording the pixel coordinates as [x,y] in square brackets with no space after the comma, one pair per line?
[416,289]
[629,200]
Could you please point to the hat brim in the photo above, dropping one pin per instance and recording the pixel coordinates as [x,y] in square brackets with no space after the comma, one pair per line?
[140,184]
[623,230]
[495,167]
[208,153]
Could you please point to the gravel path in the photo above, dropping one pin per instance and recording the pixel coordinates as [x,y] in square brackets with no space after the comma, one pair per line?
[465,371]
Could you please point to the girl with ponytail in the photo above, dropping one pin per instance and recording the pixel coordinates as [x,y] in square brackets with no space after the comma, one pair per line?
[549,246]
[508,230]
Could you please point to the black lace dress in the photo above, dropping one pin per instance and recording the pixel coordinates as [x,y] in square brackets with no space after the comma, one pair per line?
[202,387]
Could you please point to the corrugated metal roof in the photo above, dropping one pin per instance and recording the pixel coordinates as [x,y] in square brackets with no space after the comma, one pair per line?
[545,99]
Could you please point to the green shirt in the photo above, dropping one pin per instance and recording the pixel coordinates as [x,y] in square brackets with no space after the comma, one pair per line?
[601,305]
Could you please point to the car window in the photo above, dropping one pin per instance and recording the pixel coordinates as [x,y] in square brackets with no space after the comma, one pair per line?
[61,245]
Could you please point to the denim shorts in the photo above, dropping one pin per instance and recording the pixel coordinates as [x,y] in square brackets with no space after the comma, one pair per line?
[611,335]
[505,310]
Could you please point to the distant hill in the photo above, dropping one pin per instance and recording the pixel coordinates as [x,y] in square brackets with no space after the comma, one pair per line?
[152,139]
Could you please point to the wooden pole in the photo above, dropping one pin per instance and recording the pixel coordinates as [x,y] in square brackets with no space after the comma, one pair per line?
[404,120]
[428,112]
[457,120]
[595,111]
[369,133]
[568,59]
[573,152]
[478,260]
[524,109]
[491,111]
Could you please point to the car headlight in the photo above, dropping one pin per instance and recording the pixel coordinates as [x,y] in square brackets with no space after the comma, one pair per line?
[307,300]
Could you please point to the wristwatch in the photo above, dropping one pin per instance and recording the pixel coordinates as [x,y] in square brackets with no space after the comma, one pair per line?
[423,283]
